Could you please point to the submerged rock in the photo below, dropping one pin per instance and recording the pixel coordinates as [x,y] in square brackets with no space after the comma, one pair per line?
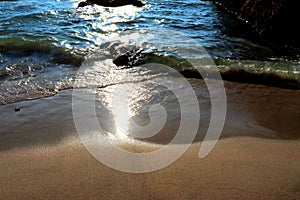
[277,19]
[112,3]
[131,58]
[141,56]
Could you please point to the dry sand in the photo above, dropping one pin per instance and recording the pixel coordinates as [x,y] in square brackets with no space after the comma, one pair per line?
[238,168]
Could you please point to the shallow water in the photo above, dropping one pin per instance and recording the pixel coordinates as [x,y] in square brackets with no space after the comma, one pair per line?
[42,43]
[47,47]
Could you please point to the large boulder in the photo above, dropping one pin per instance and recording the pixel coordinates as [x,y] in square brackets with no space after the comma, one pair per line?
[112,3]
[277,19]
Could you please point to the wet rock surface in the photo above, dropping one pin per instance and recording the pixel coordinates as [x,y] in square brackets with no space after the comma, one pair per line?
[276,19]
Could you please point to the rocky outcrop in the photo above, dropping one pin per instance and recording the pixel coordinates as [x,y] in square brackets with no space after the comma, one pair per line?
[112,3]
[278,19]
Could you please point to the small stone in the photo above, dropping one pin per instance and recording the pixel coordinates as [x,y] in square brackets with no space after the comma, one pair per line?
[17,109]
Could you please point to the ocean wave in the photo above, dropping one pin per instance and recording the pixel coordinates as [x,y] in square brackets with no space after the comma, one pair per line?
[271,79]
[34,69]
[30,70]
[282,74]
[17,47]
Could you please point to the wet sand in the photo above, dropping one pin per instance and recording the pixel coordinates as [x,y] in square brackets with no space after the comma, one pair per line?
[41,156]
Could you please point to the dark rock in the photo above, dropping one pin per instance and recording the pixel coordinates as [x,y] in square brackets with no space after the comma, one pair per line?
[112,3]
[276,19]
[83,3]
[17,109]
[142,56]
[131,58]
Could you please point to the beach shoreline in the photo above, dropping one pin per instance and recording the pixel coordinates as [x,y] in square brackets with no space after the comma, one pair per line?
[42,156]
[78,83]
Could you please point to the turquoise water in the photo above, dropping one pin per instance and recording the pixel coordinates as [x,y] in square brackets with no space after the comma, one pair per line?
[60,23]
[43,43]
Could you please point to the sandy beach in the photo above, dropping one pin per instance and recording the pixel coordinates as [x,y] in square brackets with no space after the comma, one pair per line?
[87,91]
[257,156]
[238,168]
